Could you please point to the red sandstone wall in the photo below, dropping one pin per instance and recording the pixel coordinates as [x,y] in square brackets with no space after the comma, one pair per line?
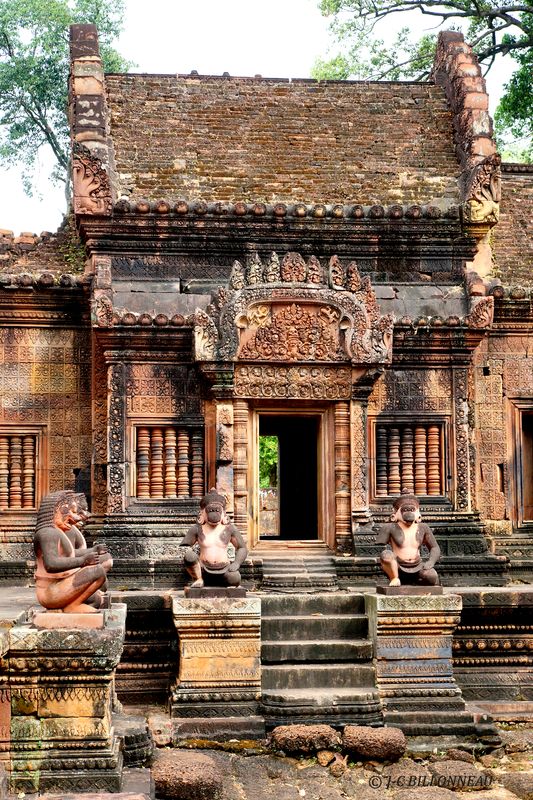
[45,380]
[251,139]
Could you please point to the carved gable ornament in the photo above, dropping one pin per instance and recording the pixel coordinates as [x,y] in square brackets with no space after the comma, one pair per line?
[294,311]
[483,192]
[91,189]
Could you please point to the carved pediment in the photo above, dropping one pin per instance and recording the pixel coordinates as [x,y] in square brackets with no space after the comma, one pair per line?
[294,311]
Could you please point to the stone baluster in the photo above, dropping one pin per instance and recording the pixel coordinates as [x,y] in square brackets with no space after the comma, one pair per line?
[394,461]
[381,461]
[156,465]
[143,462]
[407,456]
[197,463]
[28,472]
[15,472]
[183,463]
[434,460]
[4,473]
[170,462]
[420,460]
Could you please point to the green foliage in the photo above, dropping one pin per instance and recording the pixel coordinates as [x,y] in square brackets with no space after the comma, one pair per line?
[514,116]
[70,247]
[494,31]
[34,67]
[268,461]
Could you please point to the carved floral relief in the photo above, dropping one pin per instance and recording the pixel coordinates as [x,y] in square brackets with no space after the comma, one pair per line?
[292,310]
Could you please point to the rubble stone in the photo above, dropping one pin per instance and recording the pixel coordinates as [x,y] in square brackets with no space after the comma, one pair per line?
[382,744]
[304,738]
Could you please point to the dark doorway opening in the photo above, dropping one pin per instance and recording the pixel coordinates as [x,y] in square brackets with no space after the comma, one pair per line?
[294,476]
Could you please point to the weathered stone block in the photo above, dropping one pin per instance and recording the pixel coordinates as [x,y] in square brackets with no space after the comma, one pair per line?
[55,707]
[380,744]
[182,775]
[219,642]
[413,662]
[305,738]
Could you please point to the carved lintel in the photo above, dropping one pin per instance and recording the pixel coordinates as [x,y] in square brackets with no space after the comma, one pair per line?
[92,191]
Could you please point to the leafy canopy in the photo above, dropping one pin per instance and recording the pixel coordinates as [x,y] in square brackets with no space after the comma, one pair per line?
[268,461]
[34,68]
[494,31]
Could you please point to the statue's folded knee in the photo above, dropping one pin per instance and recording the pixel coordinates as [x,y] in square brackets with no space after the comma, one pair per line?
[387,556]
[430,578]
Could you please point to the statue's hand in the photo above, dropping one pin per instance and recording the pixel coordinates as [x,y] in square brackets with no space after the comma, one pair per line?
[91,558]
[233,567]
[101,549]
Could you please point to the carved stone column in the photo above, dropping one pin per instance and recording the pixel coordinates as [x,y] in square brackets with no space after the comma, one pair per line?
[462,437]
[343,523]
[240,464]
[225,450]
[116,475]
[359,462]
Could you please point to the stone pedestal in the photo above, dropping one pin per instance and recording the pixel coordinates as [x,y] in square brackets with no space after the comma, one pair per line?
[413,660]
[56,695]
[219,673]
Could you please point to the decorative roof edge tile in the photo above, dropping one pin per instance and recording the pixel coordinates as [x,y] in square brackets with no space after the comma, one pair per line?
[355,211]
[514,167]
[43,280]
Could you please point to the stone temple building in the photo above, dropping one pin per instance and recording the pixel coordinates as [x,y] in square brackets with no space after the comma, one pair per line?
[344,266]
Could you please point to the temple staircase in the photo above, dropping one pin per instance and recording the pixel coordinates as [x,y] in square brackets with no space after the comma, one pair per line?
[317,660]
[296,567]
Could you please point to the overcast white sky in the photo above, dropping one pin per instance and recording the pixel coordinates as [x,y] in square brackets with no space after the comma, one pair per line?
[277,38]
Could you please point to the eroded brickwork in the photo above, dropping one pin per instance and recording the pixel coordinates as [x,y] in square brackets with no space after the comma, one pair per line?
[255,139]
[512,238]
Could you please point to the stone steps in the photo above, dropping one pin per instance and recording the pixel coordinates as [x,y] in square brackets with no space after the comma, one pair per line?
[317,660]
[322,604]
[305,570]
[316,676]
[310,627]
[313,650]
[417,724]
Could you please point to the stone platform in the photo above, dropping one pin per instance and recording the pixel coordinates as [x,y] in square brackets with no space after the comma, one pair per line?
[412,636]
[56,732]
[219,673]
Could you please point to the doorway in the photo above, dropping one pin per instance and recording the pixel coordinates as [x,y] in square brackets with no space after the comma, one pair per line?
[288,476]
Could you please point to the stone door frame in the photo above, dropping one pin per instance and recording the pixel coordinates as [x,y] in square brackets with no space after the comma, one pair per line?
[325,464]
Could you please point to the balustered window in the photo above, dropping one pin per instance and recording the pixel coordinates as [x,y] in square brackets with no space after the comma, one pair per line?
[169,462]
[409,457]
[20,486]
